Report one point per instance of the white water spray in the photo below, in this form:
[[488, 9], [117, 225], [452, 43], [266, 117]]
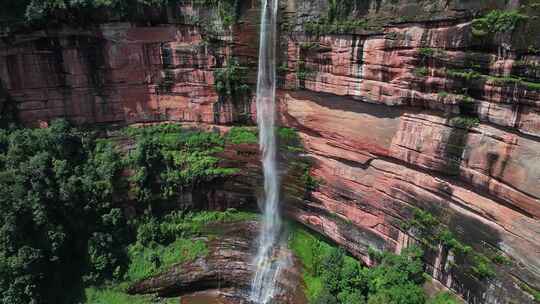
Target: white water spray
[[267, 270]]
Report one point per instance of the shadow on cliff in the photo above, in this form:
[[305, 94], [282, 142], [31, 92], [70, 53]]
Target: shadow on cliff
[[348, 104], [8, 108]]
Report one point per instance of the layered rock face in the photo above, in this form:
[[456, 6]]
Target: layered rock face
[[224, 273], [412, 111], [120, 72]]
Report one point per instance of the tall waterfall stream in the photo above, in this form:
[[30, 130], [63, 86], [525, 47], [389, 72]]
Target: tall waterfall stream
[[268, 267]]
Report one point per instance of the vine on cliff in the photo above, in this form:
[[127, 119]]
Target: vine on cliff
[[431, 233], [231, 81]]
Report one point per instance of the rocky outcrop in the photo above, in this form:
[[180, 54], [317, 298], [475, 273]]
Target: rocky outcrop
[[118, 73], [372, 176], [228, 264], [225, 272], [412, 110]]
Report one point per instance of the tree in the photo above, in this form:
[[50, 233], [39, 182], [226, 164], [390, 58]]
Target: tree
[[59, 223]]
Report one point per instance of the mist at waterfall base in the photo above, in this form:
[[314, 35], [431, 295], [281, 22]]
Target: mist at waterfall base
[[263, 286]]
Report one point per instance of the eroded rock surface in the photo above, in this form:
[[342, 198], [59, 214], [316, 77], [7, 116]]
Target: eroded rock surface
[[375, 109], [225, 273]]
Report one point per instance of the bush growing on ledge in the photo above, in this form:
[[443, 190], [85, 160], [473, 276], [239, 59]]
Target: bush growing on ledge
[[168, 160], [421, 71], [242, 135], [333, 277], [497, 22], [161, 242]]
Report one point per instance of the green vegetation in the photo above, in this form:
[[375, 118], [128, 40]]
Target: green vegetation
[[61, 227], [160, 243], [282, 68], [66, 10], [308, 46], [309, 181], [303, 72], [465, 74], [242, 135], [80, 11], [338, 19], [534, 292], [325, 26], [442, 94], [172, 239], [167, 160], [515, 81], [431, 232], [112, 296], [426, 52], [61, 191], [465, 122], [231, 81], [227, 9], [421, 71], [289, 140], [115, 295], [443, 298], [496, 22], [471, 74], [333, 277], [153, 259]]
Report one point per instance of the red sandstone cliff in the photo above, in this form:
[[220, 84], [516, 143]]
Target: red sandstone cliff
[[376, 110]]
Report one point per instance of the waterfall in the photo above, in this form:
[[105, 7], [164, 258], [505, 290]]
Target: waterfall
[[267, 269]]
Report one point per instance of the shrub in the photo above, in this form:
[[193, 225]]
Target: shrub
[[421, 71], [333, 277], [497, 21], [167, 160], [443, 298], [242, 135], [426, 52]]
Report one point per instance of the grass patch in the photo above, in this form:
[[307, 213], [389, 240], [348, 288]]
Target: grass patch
[[160, 244], [309, 250], [151, 260], [242, 135], [290, 140], [421, 72], [333, 277], [117, 296], [444, 298], [510, 80]]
